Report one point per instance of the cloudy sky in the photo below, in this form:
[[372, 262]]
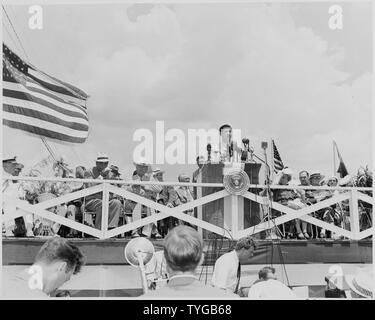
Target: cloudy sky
[[272, 70]]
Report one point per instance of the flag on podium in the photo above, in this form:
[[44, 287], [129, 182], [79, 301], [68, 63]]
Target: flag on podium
[[278, 164]]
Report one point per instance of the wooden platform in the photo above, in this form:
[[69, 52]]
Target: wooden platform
[[21, 251], [125, 281]]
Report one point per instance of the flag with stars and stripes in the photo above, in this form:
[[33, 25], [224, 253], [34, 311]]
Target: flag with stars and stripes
[[277, 162], [40, 104]]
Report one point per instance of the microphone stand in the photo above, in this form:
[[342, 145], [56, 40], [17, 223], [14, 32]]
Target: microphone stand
[[268, 189], [143, 272]]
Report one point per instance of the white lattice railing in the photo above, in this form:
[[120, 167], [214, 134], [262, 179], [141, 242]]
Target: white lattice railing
[[233, 208]]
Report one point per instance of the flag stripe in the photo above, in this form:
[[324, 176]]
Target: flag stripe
[[44, 116], [43, 92], [41, 108], [32, 99], [76, 91], [43, 132], [44, 124], [49, 83], [35, 86]]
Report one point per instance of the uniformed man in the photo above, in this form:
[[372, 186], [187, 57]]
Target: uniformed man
[[94, 202], [13, 193]]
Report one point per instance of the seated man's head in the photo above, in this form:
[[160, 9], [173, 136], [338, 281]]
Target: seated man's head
[[286, 176], [114, 172], [183, 178], [245, 249], [80, 172], [332, 182], [316, 178], [59, 259], [183, 250], [136, 188], [141, 169], [102, 162], [304, 178], [267, 273], [158, 174], [12, 167]]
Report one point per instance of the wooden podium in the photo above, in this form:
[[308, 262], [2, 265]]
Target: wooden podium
[[219, 212]]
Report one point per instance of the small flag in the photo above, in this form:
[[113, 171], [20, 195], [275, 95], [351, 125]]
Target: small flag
[[342, 168], [40, 104], [277, 162]]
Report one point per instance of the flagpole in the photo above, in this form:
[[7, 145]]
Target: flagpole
[[272, 160], [334, 159]]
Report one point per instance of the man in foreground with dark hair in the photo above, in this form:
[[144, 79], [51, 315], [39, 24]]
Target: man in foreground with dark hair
[[57, 260], [227, 270], [183, 251]]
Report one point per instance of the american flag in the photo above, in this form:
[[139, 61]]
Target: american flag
[[277, 162], [40, 104]]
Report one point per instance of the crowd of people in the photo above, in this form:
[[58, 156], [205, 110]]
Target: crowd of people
[[337, 214], [177, 264], [88, 209]]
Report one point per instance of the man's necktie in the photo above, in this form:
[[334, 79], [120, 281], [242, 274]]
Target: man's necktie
[[238, 278]]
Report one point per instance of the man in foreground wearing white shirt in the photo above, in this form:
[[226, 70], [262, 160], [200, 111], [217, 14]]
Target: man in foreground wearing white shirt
[[267, 287], [227, 270]]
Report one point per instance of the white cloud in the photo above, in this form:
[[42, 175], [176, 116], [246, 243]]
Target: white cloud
[[203, 65]]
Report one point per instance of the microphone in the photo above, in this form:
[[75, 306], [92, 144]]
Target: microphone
[[230, 150], [209, 147], [245, 152]]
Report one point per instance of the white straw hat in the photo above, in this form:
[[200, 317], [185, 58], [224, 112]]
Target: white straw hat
[[362, 282], [102, 157]]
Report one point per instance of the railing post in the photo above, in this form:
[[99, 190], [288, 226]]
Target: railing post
[[199, 209], [105, 204], [235, 215], [354, 214]]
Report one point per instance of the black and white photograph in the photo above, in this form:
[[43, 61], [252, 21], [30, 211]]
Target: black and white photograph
[[173, 150]]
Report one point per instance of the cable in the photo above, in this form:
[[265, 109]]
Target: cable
[[10, 36], [15, 32]]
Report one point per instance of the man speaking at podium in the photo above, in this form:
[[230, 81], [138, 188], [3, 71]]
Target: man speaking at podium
[[226, 150]]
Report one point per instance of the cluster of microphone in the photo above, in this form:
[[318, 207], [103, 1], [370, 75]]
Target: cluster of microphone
[[246, 153]]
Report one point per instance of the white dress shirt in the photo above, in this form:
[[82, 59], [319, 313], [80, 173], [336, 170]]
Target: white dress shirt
[[225, 271], [271, 290]]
